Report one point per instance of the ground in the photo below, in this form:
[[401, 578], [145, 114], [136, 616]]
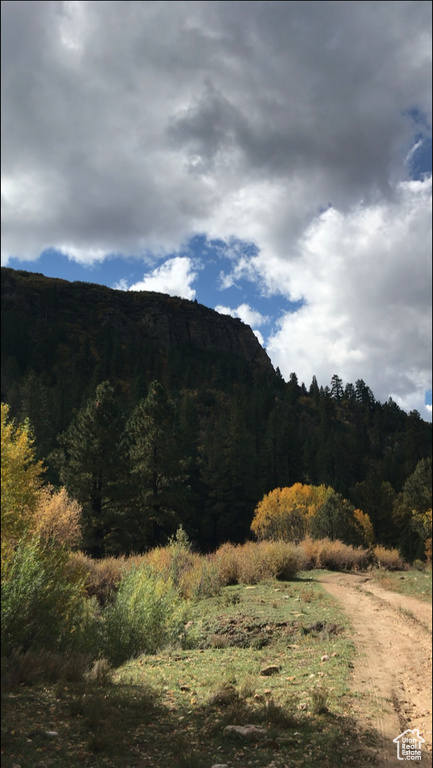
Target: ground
[[352, 663], [393, 667]]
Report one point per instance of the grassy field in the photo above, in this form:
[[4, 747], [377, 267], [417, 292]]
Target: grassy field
[[172, 709], [412, 583]]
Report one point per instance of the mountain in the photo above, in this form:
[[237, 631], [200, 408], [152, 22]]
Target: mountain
[[72, 336], [57, 310], [241, 430]]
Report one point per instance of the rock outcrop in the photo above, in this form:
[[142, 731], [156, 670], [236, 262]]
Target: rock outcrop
[[170, 323]]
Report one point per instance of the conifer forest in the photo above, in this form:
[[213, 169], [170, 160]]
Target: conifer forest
[[148, 429]]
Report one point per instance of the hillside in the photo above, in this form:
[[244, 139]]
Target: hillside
[[240, 430], [46, 320]]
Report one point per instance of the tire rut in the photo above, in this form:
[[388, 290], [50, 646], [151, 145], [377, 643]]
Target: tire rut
[[391, 679]]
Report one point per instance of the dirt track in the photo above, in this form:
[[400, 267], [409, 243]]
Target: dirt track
[[393, 669]]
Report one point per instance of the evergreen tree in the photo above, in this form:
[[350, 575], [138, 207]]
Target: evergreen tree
[[158, 473], [335, 520], [349, 393], [189, 440], [337, 390], [412, 504], [314, 390], [93, 467], [377, 497], [229, 471]]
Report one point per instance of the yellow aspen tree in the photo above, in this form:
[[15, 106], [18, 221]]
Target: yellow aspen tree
[[286, 513], [364, 524], [21, 480]]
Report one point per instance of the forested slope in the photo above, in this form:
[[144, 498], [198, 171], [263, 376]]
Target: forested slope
[[223, 425]]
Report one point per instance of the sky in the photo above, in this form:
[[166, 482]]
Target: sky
[[270, 159]]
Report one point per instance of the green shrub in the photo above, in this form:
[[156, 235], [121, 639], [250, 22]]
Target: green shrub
[[147, 614], [192, 574], [43, 608]]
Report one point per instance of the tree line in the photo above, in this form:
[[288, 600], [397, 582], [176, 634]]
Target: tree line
[[205, 459]]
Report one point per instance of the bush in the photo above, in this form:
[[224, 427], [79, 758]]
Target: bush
[[284, 560], [252, 565], [147, 614], [57, 517], [227, 564], [101, 577], [41, 607], [334, 555], [390, 559], [201, 579], [268, 560], [194, 576]]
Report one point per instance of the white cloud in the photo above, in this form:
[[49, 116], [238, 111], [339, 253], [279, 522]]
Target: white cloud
[[248, 315], [245, 313], [365, 277], [121, 285], [259, 336], [174, 277], [129, 127]]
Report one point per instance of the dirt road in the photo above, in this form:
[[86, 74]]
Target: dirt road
[[392, 676]]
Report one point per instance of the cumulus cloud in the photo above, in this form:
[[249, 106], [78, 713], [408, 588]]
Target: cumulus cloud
[[245, 313], [174, 277], [248, 315], [127, 128], [365, 277]]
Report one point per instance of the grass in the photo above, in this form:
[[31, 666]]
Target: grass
[[172, 708], [414, 583]]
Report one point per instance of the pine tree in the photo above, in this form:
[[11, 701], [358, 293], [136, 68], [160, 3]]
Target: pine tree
[[230, 474], [337, 390], [413, 505], [158, 469], [376, 497], [336, 520], [93, 467]]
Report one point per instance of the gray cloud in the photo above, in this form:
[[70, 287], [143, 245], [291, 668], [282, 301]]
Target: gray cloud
[[129, 126]]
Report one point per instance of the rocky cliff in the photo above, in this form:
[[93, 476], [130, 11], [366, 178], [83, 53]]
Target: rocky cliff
[[66, 312]]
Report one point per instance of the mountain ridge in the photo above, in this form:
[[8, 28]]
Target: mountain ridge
[[171, 322]]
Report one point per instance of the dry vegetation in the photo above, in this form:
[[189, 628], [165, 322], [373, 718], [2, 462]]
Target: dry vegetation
[[197, 576]]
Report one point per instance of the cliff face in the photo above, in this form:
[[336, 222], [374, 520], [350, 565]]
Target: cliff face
[[80, 310]]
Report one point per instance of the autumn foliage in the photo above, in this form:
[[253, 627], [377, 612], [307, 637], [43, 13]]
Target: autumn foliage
[[285, 513], [291, 514], [30, 509], [21, 480]]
